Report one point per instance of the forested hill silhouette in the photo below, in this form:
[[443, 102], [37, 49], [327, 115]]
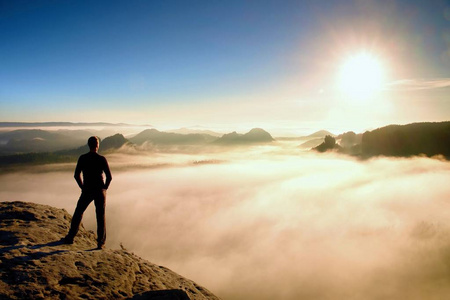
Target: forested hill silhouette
[[254, 136], [408, 140]]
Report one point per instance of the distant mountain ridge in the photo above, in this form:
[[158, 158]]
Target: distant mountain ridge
[[170, 138], [320, 134], [195, 131], [68, 141], [254, 136], [37, 140], [62, 124], [41, 147]]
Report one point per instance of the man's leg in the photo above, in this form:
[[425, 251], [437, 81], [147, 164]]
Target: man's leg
[[83, 203], [100, 204]]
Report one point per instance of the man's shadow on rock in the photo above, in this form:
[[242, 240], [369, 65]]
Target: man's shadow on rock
[[15, 247], [33, 255], [39, 254], [49, 244], [59, 243]]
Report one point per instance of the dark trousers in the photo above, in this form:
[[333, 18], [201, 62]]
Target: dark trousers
[[99, 197]]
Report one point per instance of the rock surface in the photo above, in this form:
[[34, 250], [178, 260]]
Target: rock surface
[[36, 265]]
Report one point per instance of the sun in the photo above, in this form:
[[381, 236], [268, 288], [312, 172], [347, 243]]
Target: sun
[[361, 76]]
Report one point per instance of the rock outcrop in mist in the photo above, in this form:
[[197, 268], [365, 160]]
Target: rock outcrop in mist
[[349, 139], [329, 144], [35, 265], [113, 142], [428, 139]]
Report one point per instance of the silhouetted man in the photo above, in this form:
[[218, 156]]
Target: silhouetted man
[[93, 188]]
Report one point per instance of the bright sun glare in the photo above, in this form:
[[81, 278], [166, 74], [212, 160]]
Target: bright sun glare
[[361, 76]]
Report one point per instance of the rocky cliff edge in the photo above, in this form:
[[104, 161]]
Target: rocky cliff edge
[[34, 264]]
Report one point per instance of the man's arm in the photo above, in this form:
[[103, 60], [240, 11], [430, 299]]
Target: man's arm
[[107, 174], [77, 174]]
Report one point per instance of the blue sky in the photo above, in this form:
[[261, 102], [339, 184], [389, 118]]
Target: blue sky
[[184, 63]]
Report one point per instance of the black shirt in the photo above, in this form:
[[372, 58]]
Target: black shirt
[[92, 165]]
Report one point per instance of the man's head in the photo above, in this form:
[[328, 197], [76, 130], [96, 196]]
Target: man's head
[[93, 143]]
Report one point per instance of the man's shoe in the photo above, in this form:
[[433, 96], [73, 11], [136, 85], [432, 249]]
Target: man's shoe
[[67, 240], [100, 247]]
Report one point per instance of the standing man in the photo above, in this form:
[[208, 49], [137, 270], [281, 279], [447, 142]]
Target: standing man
[[92, 187]]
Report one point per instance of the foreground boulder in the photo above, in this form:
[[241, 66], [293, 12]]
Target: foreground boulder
[[34, 264]]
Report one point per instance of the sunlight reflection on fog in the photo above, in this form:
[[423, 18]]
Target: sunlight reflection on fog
[[273, 222]]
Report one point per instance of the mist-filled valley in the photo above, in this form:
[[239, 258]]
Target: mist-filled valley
[[272, 221]]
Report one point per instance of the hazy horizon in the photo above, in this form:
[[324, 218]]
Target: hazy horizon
[[131, 129], [344, 65]]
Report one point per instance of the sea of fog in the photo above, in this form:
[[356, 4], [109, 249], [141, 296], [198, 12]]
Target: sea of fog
[[272, 222]]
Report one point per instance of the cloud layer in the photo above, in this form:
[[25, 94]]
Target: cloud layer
[[265, 224], [421, 84]]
